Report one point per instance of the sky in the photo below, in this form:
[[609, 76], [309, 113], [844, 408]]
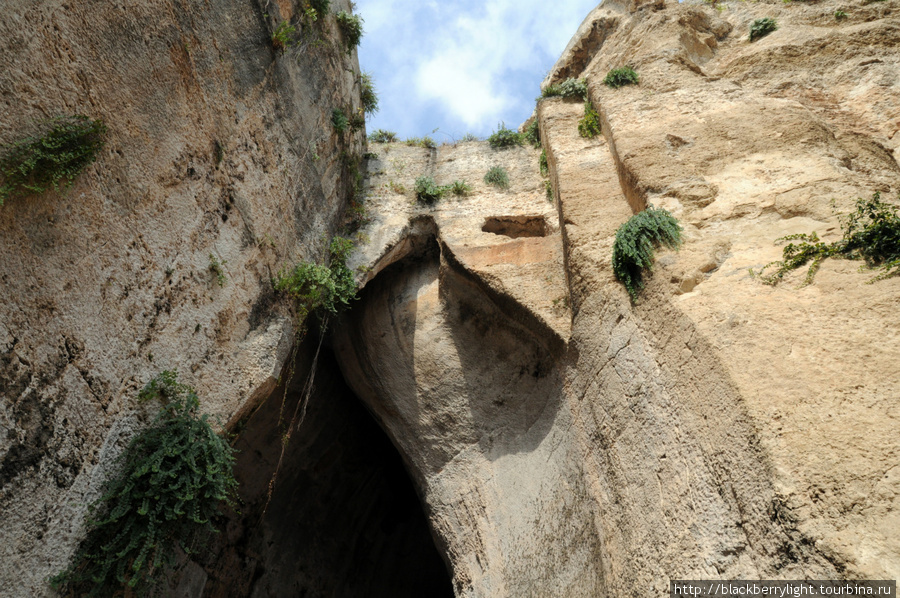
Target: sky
[[461, 67]]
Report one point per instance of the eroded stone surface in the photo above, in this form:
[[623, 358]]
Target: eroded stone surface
[[717, 428], [218, 146]]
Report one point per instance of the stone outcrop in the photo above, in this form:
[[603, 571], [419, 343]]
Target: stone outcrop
[[717, 428], [219, 147]]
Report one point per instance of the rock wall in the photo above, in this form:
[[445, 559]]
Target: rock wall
[[745, 143], [220, 147], [457, 347], [568, 442]]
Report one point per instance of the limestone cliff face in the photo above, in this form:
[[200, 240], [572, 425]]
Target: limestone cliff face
[[218, 146], [568, 443]]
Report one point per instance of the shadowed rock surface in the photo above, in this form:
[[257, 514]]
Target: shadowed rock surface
[[344, 519]]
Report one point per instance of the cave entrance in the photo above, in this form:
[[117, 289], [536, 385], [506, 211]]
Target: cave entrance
[[344, 519]]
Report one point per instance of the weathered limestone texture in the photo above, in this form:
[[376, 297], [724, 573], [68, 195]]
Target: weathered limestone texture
[[745, 143], [455, 346], [218, 147], [569, 443]]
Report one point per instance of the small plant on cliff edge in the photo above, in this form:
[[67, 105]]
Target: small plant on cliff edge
[[351, 28], [503, 137], [382, 136], [339, 120], [840, 15], [426, 142], [871, 233], [762, 27], [543, 165], [617, 78], [281, 37], [367, 94], [171, 479], [635, 243], [589, 125], [323, 289], [570, 88], [52, 160], [532, 134], [497, 177]]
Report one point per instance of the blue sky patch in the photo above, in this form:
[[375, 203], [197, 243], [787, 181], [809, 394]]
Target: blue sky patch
[[461, 67]]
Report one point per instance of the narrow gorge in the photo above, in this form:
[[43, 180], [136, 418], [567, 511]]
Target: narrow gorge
[[493, 415]]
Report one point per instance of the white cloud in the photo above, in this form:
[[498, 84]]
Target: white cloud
[[471, 63], [453, 79]]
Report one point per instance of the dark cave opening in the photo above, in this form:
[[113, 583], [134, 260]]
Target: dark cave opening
[[344, 519]]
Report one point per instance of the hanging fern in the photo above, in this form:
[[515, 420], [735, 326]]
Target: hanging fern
[[171, 479], [317, 288], [52, 160], [871, 233], [635, 242]]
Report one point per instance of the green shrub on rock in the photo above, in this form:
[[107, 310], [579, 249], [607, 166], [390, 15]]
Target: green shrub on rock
[[427, 191], [339, 120], [52, 160], [871, 233], [589, 125], [367, 94], [497, 177], [504, 138], [281, 37], [351, 28], [532, 134], [460, 188], [316, 288], [171, 479], [621, 77], [761, 28], [320, 6], [570, 88], [636, 241]]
